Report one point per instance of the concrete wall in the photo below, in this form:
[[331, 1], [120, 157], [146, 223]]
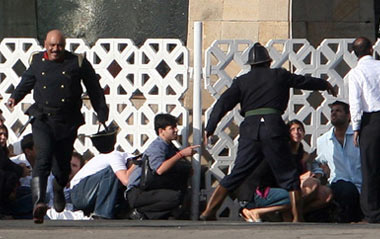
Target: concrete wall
[[18, 18], [320, 19], [93, 19], [262, 20], [257, 20]]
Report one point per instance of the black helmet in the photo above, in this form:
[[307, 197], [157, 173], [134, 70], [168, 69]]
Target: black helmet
[[104, 141], [258, 54]]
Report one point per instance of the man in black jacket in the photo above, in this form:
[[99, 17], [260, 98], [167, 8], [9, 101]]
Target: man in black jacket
[[263, 94], [55, 75]]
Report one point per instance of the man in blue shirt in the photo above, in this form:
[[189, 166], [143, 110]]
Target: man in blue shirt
[[164, 194], [336, 149]]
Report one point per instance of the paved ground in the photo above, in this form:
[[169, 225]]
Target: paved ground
[[99, 229]]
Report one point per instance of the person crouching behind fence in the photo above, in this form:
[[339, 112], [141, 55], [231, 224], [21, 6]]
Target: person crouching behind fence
[[157, 187], [97, 188]]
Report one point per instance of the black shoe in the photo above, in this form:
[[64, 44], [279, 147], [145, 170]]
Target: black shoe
[[203, 217], [97, 217], [136, 215], [39, 213], [179, 213], [59, 197]]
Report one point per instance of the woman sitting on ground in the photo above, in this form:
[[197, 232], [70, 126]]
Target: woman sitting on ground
[[268, 197], [315, 195], [265, 198]]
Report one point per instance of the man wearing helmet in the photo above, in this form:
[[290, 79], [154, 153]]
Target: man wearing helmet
[[263, 94]]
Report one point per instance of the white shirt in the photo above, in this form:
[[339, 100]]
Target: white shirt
[[67, 214], [364, 89], [25, 181], [343, 161], [117, 160]]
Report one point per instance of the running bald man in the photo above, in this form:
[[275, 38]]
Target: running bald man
[[55, 76]]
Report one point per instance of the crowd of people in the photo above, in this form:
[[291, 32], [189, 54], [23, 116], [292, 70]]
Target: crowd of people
[[108, 186], [346, 155], [274, 178]]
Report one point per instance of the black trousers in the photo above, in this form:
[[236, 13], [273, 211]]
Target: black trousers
[[348, 198], [53, 150], [251, 152], [370, 160], [154, 204], [8, 183]]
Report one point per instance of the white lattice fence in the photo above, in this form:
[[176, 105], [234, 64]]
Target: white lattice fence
[[331, 61], [14, 58], [139, 82]]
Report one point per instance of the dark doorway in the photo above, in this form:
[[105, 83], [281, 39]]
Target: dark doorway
[[377, 17]]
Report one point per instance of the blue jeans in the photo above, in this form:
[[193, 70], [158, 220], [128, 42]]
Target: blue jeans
[[97, 193], [275, 197]]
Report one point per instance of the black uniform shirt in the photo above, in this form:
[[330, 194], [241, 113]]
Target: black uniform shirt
[[262, 87], [57, 85]]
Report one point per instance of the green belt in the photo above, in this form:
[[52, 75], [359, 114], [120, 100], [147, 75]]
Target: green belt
[[262, 111]]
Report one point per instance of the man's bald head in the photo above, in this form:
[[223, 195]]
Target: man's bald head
[[362, 46], [55, 45]]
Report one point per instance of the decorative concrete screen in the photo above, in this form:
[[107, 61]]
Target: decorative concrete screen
[[331, 61], [138, 82]]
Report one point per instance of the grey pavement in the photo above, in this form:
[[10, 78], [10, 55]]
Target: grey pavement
[[99, 229]]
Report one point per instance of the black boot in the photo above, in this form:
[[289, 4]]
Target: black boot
[[59, 197], [38, 193]]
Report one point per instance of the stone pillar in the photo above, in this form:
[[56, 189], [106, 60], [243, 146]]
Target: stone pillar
[[256, 20]]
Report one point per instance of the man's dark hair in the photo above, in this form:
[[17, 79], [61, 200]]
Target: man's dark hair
[[346, 107], [362, 46], [27, 142], [161, 121]]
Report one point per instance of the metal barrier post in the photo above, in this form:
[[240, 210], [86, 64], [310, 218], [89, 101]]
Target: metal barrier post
[[197, 120]]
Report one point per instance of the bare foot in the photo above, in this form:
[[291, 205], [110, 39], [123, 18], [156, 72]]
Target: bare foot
[[250, 215]]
